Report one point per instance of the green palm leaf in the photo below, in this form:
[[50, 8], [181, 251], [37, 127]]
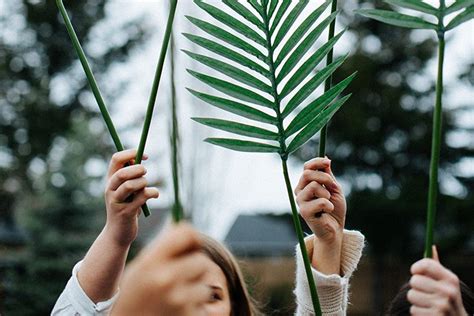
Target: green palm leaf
[[243, 145], [315, 125], [308, 66], [462, 17], [238, 128], [458, 5], [305, 116], [301, 31], [236, 108], [232, 89], [231, 71], [245, 13], [232, 22], [397, 19], [227, 37], [227, 53], [279, 14], [311, 85], [259, 85], [272, 7], [290, 19], [416, 5], [303, 48]]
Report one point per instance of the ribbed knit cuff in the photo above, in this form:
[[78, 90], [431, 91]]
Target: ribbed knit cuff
[[332, 289]]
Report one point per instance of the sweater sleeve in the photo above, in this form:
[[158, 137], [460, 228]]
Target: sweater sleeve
[[333, 290], [74, 301]]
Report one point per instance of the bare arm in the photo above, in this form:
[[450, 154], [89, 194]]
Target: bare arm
[[103, 265]]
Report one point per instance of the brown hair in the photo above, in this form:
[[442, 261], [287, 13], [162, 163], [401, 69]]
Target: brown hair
[[400, 305], [241, 302]]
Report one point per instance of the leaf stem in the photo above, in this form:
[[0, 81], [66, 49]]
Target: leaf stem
[[284, 157], [156, 82], [328, 83], [435, 142], [177, 210], [299, 233], [93, 84]]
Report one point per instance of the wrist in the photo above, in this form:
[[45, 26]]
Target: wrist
[[326, 254], [116, 239]]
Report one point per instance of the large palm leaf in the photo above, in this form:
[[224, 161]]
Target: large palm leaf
[[269, 65]]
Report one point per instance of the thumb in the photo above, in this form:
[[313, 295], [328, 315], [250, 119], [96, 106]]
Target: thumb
[[435, 253]]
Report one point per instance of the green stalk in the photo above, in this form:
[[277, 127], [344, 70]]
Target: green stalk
[[328, 83], [299, 233], [90, 76], [156, 83], [177, 209], [435, 142], [93, 84], [284, 157]]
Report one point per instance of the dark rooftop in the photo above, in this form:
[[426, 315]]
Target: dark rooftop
[[263, 235]]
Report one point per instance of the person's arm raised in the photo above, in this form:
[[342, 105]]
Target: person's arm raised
[[103, 265]]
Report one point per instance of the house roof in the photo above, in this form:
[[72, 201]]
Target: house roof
[[263, 235]]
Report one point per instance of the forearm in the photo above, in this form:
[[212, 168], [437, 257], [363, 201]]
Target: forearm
[[326, 255], [332, 287], [102, 267]]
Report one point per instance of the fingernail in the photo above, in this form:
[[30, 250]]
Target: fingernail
[[326, 161]]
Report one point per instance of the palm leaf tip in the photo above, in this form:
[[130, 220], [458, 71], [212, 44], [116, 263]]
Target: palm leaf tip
[[397, 19], [243, 145]]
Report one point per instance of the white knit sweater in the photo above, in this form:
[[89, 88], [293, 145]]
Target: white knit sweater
[[333, 290]]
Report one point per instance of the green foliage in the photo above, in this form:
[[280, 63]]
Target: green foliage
[[273, 90], [408, 21], [264, 87], [61, 221], [46, 138]]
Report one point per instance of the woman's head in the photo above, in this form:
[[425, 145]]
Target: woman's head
[[230, 295]]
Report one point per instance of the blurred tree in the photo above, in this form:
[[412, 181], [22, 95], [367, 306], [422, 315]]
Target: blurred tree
[[380, 143], [51, 140]]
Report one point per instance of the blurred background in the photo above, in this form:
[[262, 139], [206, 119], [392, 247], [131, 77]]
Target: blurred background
[[54, 150]]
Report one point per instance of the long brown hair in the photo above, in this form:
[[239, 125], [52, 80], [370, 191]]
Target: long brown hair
[[241, 302]]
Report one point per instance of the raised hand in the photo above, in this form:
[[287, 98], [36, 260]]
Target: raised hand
[[435, 290], [166, 277], [125, 193], [323, 206], [321, 200]]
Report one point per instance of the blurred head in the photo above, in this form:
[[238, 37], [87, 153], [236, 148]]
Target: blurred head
[[401, 306], [229, 292]]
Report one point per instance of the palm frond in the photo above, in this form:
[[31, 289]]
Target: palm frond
[[263, 80], [269, 81]]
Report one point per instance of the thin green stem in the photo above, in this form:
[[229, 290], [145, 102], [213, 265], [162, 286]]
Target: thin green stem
[[90, 76], [299, 233], [156, 82], [177, 210], [93, 85], [435, 142], [284, 157], [328, 83]]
